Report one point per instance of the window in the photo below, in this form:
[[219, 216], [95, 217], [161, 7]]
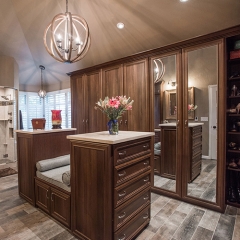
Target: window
[[32, 106]]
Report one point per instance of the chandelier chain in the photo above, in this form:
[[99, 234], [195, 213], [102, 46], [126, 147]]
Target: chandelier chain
[[66, 6]]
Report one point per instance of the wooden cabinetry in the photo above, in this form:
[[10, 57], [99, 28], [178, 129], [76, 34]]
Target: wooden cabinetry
[[86, 90], [54, 201], [111, 187], [130, 79], [168, 151], [233, 123], [33, 146]]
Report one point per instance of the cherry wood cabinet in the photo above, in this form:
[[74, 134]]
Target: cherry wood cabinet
[[110, 193], [130, 79], [54, 201], [36, 145], [86, 90]]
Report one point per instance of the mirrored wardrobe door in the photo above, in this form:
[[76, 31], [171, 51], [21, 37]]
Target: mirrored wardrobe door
[[165, 77], [201, 75]]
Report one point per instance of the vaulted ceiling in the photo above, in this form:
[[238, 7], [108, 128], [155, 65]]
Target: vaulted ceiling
[[149, 24]]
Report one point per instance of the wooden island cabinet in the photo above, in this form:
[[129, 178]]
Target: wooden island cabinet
[[110, 184], [36, 145]]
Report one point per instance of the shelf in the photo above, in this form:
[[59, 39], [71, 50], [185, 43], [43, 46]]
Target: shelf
[[234, 79], [236, 60], [233, 115], [234, 169], [234, 96], [233, 151], [235, 133]]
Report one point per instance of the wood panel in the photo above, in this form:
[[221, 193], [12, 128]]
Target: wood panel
[[137, 86], [91, 190]]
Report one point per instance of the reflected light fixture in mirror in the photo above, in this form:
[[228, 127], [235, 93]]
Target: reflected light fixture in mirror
[[42, 93], [67, 37], [159, 70]]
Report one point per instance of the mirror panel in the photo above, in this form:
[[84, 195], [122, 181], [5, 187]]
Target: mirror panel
[[165, 76], [202, 74]]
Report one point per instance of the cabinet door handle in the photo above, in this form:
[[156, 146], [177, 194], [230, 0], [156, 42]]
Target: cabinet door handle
[[146, 179], [122, 237], [145, 146], [47, 195], [86, 120], [186, 123], [120, 122], [122, 215], [122, 153], [122, 174], [146, 198], [83, 121], [52, 197], [122, 194], [125, 122], [145, 216]]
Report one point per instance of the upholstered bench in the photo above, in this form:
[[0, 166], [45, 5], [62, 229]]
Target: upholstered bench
[[52, 188]]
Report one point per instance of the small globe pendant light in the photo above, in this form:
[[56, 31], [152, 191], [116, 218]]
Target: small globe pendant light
[[42, 93]]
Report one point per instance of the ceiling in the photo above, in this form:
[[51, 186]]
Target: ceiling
[[149, 24]]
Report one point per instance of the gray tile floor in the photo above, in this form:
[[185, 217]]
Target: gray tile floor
[[170, 220]]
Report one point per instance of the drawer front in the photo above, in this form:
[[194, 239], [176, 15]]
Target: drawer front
[[124, 153], [196, 170], [126, 211], [125, 191], [124, 172], [134, 226], [196, 159], [197, 141], [196, 151], [196, 131]]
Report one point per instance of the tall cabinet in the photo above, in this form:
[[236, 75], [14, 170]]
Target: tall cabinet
[[130, 79], [233, 121]]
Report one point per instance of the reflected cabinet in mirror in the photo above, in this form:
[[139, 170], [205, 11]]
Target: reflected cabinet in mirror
[[165, 147], [189, 163]]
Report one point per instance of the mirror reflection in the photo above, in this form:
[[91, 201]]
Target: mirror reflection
[[203, 75], [165, 128]]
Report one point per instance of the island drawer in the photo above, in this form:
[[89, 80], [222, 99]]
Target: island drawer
[[129, 170], [132, 150], [135, 225], [127, 190], [129, 209]]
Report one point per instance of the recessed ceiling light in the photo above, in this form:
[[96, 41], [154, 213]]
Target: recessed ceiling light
[[120, 25], [183, 0]]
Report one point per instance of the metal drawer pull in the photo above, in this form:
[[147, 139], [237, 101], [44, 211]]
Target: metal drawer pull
[[146, 179], [47, 194], [122, 194], [122, 153], [120, 122], [146, 163], [122, 174], [145, 217], [122, 216], [146, 198], [122, 237], [51, 197], [125, 122], [145, 146]]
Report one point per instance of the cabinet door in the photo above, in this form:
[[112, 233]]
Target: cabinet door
[[93, 88], [112, 79], [136, 86], [78, 103], [60, 206], [42, 192]]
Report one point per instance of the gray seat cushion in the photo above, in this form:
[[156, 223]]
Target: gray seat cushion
[[48, 164], [157, 152], [66, 178], [54, 176]]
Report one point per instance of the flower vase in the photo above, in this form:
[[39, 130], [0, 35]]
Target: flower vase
[[113, 127], [56, 119]]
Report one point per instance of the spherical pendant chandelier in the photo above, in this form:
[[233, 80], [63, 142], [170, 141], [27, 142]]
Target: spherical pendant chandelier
[[67, 37], [42, 93]]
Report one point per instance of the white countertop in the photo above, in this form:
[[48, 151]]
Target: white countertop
[[40, 131], [105, 137], [174, 124]]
